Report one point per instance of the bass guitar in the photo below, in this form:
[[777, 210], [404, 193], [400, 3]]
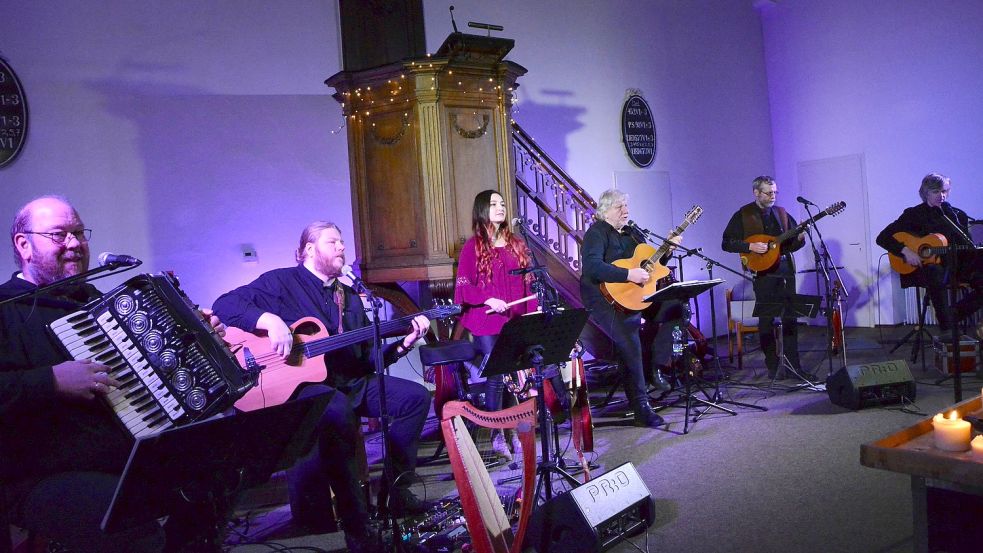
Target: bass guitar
[[278, 377], [630, 296], [929, 248], [764, 262]]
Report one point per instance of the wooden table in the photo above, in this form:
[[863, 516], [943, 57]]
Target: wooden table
[[946, 487]]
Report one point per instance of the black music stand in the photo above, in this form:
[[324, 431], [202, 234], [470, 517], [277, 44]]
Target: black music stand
[[794, 305], [207, 462], [683, 292], [539, 340]]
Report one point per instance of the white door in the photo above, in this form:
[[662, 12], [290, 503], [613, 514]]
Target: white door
[[847, 236]]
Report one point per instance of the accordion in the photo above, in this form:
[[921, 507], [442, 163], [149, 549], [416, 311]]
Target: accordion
[[172, 366]]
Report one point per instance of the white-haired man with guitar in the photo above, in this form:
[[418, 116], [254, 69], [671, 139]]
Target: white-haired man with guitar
[[918, 240], [606, 241]]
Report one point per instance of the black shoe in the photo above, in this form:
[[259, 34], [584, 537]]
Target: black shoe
[[646, 417], [403, 503], [660, 382]]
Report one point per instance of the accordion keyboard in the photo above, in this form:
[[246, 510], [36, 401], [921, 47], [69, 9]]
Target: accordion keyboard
[[171, 367]]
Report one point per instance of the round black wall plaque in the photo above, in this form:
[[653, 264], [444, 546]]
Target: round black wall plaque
[[638, 131], [13, 115]]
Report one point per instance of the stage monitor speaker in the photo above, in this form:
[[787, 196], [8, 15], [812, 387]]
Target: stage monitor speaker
[[595, 516], [858, 386]]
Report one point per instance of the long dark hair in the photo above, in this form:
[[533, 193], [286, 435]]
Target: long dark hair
[[486, 232]]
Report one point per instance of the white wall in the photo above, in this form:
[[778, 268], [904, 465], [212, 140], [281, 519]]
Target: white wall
[[181, 129], [897, 83]]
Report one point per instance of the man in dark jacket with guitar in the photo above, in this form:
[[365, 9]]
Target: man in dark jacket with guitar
[[935, 216], [605, 242], [772, 284], [281, 297]]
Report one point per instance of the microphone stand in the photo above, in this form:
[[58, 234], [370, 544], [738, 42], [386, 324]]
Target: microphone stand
[[823, 263], [85, 276], [389, 479], [710, 264], [542, 284], [952, 262]]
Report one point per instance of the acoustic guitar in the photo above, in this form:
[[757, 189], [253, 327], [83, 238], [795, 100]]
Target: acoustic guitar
[[929, 248], [278, 377], [630, 296], [768, 261]]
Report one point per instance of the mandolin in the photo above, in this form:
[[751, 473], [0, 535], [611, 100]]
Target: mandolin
[[631, 296], [929, 248], [765, 262]]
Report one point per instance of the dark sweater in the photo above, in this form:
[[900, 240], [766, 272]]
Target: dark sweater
[[41, 432]]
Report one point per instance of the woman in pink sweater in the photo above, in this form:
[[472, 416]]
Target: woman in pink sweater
[[484, 284]]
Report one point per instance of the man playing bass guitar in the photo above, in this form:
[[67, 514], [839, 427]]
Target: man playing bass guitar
[[279, 298], [762, 216]]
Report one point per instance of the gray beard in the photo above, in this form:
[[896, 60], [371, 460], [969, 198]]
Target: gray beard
[[46, 273]]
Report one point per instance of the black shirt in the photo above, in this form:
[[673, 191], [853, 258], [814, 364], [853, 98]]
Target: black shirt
[[293, 293], [921, 220], [602, 245], [41, 432]]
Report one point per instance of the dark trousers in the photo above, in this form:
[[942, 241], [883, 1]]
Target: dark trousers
[[935, 278], [495, 396], [68, 508], [623, 328], [777, 289], [333, 461]]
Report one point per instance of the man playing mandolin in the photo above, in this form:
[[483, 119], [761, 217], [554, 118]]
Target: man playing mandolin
[[903, 239], [763, 217]]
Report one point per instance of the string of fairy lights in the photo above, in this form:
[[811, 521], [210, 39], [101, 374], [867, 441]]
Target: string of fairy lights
[[361, 102]]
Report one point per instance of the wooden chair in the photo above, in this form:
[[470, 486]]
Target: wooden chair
[[738, 322]]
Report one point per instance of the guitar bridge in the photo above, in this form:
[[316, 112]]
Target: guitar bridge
[[252, 366]]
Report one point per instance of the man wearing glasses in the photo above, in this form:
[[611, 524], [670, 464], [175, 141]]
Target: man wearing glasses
[[762, 216], [62, 451]]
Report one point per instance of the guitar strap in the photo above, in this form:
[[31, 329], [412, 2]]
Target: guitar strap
[[339, 299]]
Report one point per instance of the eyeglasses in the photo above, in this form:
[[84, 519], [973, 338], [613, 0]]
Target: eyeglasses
[[772, 193], [61, 236]]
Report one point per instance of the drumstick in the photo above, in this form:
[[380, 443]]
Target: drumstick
[[511, 303]]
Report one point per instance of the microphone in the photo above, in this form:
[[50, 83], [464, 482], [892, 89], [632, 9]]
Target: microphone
[[804, 201], [106, 258], [633, 226], [348, 272], [453, 23], [535, 269]]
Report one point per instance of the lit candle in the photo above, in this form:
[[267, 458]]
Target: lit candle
[[951, 433], [977, 445]]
